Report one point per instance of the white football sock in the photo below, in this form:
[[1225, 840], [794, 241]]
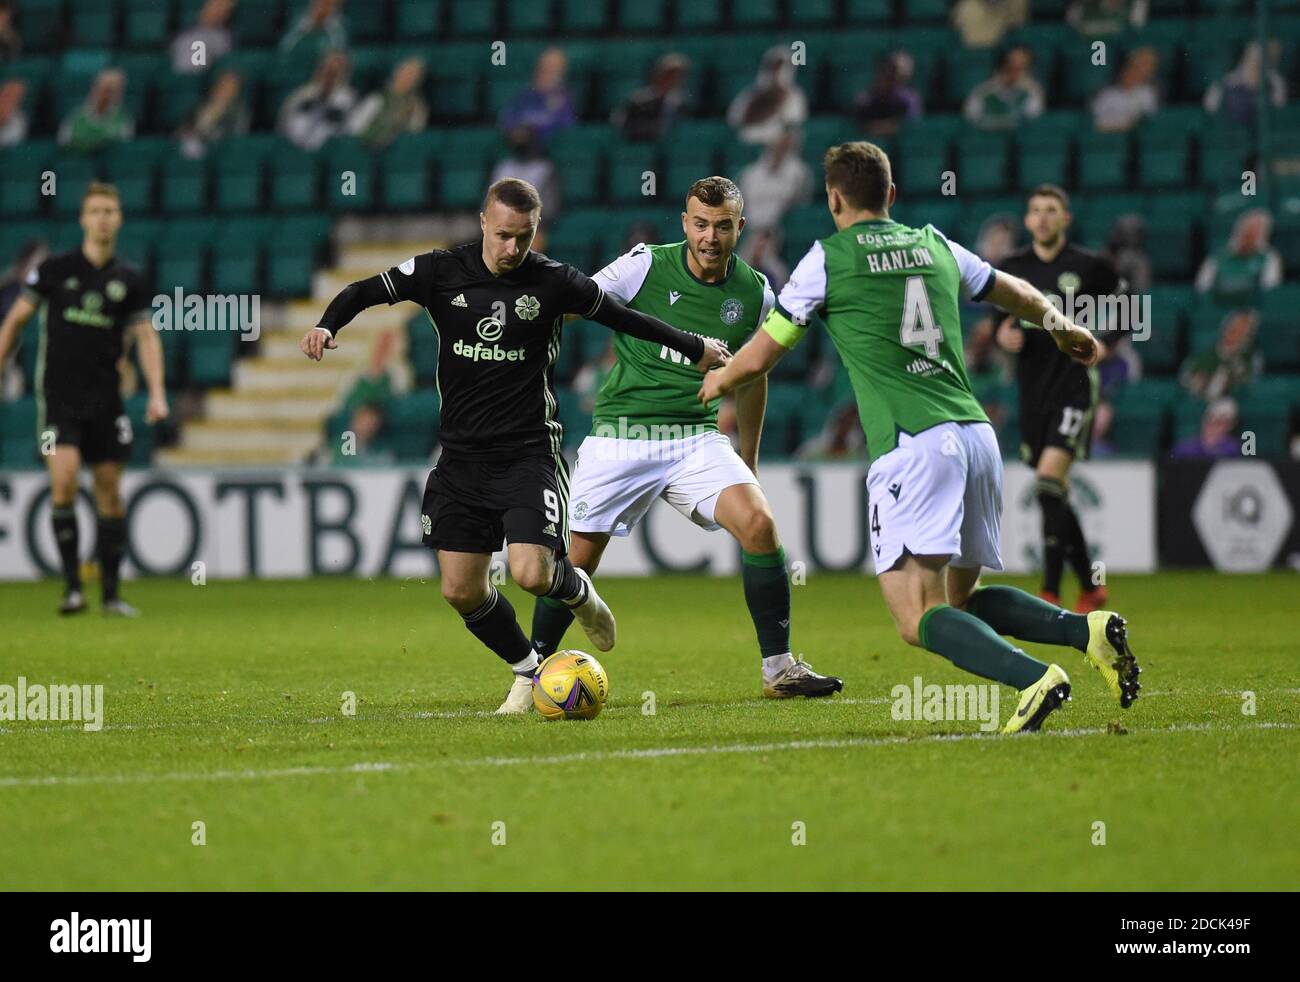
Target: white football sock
[[526, 666], [774, 665]]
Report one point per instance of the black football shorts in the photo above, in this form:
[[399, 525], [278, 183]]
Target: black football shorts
[[472, 504]]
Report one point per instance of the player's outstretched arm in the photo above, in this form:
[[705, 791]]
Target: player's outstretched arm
[[755, 359], [1026, 301], [704, 353], [351, 300], [151, 362], [751, 406], [18, 315]]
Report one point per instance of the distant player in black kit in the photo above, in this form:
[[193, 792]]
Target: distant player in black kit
[[1057, 395], [498, 308], [89, 300]]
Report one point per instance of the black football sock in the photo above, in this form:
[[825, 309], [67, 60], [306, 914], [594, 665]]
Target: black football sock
[[551, 618], [495, 625], [1076, 547], [973, 646], [111, 536], [767, 594], [1052, 500], [64, 520], [1009, 610], [566, 585]]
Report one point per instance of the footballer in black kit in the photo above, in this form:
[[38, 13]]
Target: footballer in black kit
[[498, 309], [92, 304], [1058, 396]]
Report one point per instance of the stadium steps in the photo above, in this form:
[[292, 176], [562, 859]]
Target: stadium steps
[[278, 403]]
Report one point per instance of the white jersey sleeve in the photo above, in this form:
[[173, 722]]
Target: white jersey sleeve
[[976, 274], [622, 279], [769, 300], [805, 293]]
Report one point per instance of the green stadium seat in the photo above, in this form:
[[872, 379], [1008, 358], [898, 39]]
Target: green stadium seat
[[295, 180], [966, 68], [209, 357], [412, 422], [422, 349], [926, 11], [183, 184], [74, 174], [1163, 158], [146, 24], [257, 23], [627, 165], [137, 241], [406, 171], [238, 180], [1103, 160], [418, 19], [350, 167], [472, 18], [94, 25], [1163, 350], [694, 16], [584, 16], [1224, 156], [642, 16], [237, 254], [293, 251], [1138, 429], [983, 162], [176, 101], [1169, 244], [867, 11], [753, 15], [1045, 161], [922, 160], [1286, 238], [21, 168]]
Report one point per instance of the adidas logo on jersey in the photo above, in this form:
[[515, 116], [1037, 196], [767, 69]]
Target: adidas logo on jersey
[[459, 301], [550, 530]]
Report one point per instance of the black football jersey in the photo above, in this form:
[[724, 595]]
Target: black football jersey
[[1047, 376], [85, 311], [498, 338]]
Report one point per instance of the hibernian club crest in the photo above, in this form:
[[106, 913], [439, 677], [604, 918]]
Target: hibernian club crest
[[732, 311]]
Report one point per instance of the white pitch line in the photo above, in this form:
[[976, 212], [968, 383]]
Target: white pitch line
[[587, 756]]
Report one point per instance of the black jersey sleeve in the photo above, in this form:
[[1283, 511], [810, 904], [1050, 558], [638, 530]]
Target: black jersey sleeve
[[579, 293], [139, 300], [615, 316], [410, 280], [40, 280]]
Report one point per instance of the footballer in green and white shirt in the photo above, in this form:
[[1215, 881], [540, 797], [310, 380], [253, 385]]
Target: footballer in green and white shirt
[[651, 438], [888, 294]]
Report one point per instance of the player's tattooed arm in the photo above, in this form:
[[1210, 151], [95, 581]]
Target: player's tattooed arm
[[351, 300], [704, 353], [1024, 300], [18, 315]]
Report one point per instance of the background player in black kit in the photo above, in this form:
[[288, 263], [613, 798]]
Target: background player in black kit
[[89, 299], [1057, 395], [498, 309]]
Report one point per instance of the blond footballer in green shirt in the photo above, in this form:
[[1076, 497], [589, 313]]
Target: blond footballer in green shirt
[[888, 294]]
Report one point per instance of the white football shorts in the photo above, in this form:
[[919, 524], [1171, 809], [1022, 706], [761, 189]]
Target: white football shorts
[[938, 493], [616, 481]]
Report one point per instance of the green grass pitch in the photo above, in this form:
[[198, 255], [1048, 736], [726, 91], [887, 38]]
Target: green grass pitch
[[223, 706]]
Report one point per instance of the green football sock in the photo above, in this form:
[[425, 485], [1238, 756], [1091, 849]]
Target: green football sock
[[973, 646], [1023, 616], [551, 618], [767, 594]]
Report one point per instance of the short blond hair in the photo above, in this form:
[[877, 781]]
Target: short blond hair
[[101, 189]]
